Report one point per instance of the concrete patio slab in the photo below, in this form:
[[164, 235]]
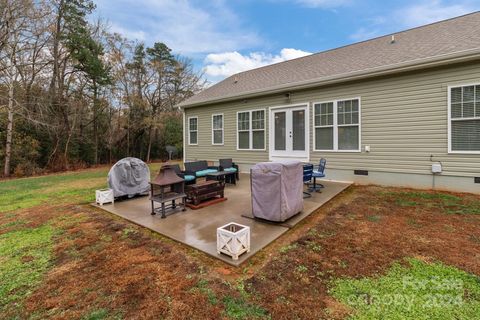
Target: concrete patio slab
[[197, 228]]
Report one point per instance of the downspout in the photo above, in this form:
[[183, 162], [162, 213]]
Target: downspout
[[183, 133]]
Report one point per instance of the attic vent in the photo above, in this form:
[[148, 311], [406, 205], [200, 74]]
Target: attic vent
[[393, 39], [235, 80]]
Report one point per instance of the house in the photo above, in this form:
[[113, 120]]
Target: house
[[381, 111]]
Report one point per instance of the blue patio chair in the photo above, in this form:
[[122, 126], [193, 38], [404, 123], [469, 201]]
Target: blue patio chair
[[307, 178], [318, 173]]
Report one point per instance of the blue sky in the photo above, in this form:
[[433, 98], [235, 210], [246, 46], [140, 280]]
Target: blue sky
[[224, 37]]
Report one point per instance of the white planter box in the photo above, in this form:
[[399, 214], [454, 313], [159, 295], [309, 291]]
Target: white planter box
[[104, 196], [233, 239]]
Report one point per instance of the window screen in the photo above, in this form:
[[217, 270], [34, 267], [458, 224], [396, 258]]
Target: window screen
[[465, 118]]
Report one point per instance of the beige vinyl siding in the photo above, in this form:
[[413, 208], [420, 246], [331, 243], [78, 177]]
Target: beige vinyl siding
[[403, 120]]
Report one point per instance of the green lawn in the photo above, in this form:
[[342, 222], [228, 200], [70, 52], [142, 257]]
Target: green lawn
[[72, 187], [372, 253], [417, 291]]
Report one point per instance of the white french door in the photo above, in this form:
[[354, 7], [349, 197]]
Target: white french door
[[289, 133]]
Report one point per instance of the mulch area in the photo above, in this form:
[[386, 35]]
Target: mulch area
[[362, 237]]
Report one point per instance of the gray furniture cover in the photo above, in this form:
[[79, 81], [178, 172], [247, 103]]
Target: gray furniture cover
[[129, 177], [277, 190]]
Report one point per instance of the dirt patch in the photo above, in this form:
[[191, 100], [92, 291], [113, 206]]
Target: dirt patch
[[363, 237], [105, 264]]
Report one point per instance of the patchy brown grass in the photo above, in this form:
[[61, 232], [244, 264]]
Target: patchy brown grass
[[363, 236], [106, 264]]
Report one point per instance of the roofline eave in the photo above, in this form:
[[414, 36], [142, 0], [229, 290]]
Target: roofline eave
[[457, 57]]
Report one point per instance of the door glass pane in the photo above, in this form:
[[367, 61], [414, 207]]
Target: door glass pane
[[298, 129], [258, 139], [348, 138], [280, 130], [244, 140], [324, 138]]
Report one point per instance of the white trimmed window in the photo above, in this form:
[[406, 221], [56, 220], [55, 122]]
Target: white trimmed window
[[217, 129], [464, 110], [193, 130], [337, 125], [251, 130]]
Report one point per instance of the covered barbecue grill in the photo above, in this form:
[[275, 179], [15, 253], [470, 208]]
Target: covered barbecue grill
[[129, 177], [277, 190]]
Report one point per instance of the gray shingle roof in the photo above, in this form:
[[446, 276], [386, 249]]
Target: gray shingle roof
[[457, 35]]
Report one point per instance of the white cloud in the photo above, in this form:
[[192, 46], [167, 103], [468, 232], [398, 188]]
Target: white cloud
[[431, 11], [183, 25], [219, 65]]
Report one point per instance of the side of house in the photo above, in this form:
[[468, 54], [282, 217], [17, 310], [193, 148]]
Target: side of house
[[386, 130]]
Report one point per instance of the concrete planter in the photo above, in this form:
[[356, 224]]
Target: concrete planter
[[104, 196], [233, 239]]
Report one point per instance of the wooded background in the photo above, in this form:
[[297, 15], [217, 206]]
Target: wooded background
[[73, 95]]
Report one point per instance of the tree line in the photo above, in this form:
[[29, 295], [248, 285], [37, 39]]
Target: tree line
[[73, 94]]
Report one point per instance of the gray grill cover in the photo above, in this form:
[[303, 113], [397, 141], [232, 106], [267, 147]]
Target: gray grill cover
[[277, 190], [129, 177]]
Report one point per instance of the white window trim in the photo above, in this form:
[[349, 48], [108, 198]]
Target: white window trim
[[336, 125], [223, 129], [449, 94], [189, 141], [250, 130]]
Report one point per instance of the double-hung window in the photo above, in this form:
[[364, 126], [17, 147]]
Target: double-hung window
[[464, 109], [217, 129], [337, 125], [251, 130], [193, 130]]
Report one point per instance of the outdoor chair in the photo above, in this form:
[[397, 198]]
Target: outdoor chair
[[307, 178], [189, 179], [229, 166], [318, 173], [199, 168]]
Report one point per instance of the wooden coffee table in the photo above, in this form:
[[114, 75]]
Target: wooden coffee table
[[205, 190], [222, 176]]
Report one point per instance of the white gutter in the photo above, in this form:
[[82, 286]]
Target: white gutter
[[440, 60]]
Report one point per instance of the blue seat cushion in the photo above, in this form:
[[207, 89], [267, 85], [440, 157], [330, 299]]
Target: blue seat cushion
[[230, 169], [317, 174], [203, 173], [189, 177]]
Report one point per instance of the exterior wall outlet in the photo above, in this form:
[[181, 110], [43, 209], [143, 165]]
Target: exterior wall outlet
[[367, 148]]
